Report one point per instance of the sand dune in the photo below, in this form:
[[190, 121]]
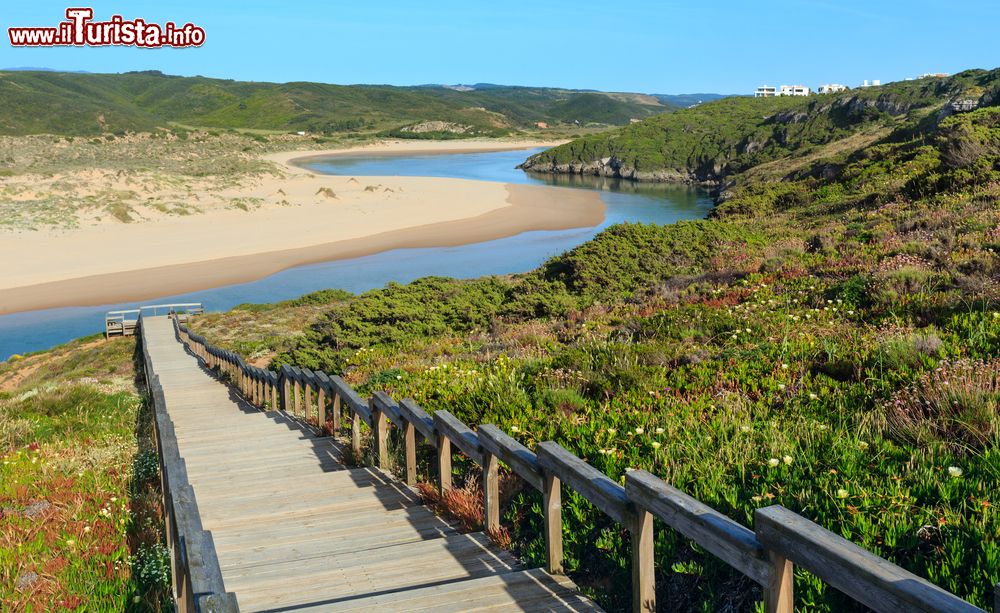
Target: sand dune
[[299, 218]]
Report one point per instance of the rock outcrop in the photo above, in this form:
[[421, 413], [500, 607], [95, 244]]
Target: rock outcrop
[[436, 126], [615, 167]]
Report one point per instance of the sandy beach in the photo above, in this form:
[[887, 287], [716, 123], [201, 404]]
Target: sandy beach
[[300, 218]]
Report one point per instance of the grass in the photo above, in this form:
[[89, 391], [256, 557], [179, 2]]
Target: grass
[[79, 489], [792, 349]]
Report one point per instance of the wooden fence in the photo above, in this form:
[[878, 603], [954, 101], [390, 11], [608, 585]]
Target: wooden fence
[[125, 322], [766, 555], [197, 577]]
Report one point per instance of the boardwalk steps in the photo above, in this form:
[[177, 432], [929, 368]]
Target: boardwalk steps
[[291, 524], [294, 529]]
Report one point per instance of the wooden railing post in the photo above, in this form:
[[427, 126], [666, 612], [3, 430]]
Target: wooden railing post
[[307, 402], [996, 598], [381, 428], [491, 492], [410, 450], [286, 396], [356, 435], [276, 391], [321, 413], [337, 412], [444, 463], [779, 593], [296, 396], [552, 509], [643, 570]]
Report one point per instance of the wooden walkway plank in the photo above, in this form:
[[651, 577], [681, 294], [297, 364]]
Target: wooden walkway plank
[[532, 590], [295, 529]]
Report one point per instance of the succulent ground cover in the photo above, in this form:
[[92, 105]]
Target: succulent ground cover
[[80, 518]]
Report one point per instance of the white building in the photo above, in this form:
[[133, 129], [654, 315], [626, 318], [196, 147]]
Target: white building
[[794, 90], [832, 88], [765, 91], [872, 83]]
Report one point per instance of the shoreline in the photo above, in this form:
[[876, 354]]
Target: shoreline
[[144, 261], [396, 148]]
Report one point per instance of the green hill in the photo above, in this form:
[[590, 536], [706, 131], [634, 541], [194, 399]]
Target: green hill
[[78, 103], [714, 140], [597, 108], [829, 340]]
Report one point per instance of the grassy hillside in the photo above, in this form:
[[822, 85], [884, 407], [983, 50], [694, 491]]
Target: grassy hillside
[[721, 138], [80, 509], [598, 108], [75, 103], [829, 340]]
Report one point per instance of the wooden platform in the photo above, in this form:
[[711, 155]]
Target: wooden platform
[[296, 530]]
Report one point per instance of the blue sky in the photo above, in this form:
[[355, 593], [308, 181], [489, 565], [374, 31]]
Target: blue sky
[[646, 46]]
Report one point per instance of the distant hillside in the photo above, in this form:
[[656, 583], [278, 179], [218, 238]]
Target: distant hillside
[[74, 103], [601, 108], [711, 141]]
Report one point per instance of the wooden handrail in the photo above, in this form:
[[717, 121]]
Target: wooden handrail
[[733, 543], [390, 408], [413, 414], [869, 579], [598, 488], [458, 434], [782, 538], [352, 399], [519, 458]]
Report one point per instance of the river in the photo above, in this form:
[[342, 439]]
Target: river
[[626, 202]]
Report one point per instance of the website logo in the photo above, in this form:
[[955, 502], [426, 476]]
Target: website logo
[[81, 30]]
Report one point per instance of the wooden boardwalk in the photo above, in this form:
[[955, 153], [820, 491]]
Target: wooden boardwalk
[[296, 530]]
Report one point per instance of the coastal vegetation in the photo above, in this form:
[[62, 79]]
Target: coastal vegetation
[[712, 142], [93, 104], [829, 340], [81, 525], [67, 181]]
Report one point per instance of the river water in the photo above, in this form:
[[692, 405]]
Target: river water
[[626, 202]]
